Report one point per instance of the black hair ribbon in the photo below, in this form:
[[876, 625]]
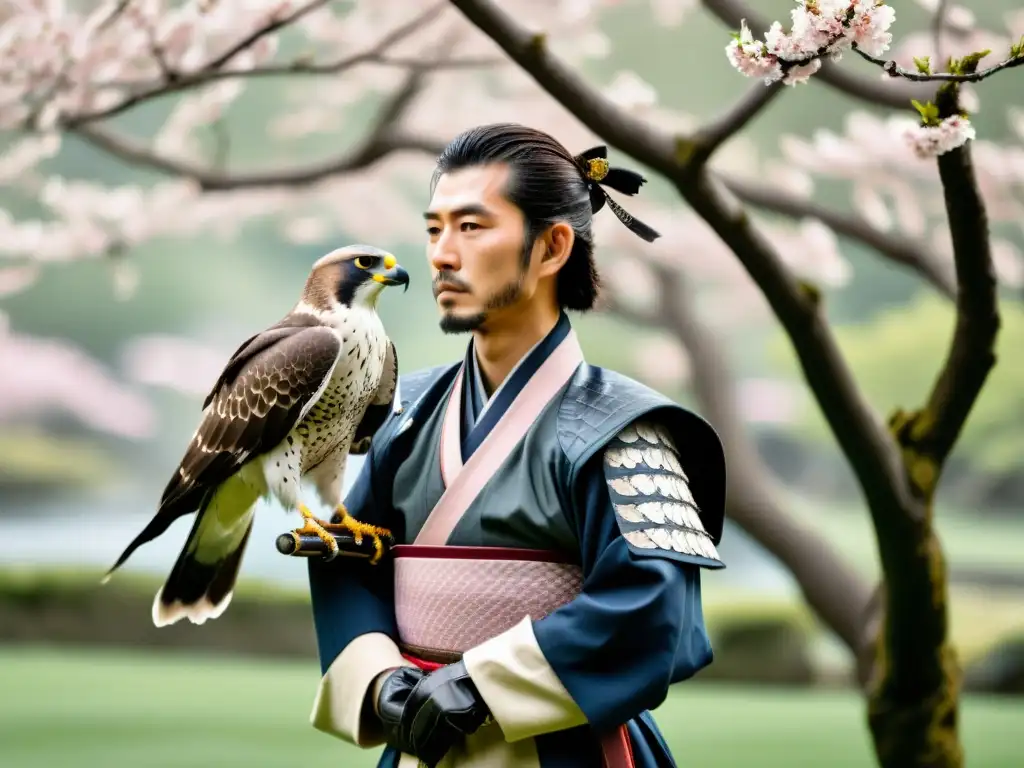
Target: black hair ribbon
[[599, 174]]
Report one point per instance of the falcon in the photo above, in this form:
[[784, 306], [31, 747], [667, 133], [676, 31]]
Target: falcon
[[292, 403]]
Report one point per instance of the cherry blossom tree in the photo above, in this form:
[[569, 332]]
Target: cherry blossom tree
[[925, 191]]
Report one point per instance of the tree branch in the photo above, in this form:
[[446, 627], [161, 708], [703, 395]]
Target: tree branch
[[888, 93], [903, 251], [894, 70], [271, 26], [299, 66], [381, 139], [833, 589], [115, 12], [972, 351], [711, 137], [863, 438], [636, 137], [213, 70]]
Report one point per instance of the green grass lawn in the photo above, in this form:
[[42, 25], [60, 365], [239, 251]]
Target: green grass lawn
[[89, 708]]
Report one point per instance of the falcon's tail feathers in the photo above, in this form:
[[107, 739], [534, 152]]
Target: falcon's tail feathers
[[168, 513], [202, 580]]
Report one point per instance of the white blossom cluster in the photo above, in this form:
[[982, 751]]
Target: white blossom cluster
[[828, 28], [820, 28], [931, 140]]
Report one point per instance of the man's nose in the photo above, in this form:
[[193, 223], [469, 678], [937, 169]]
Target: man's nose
[[444, 256]]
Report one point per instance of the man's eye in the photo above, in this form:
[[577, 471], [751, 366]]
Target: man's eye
[[433, 231], [469, 226]]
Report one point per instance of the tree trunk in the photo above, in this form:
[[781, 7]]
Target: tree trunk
[[913, 717]]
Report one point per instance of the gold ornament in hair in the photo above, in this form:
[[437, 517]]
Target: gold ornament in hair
[[593, 164], [597, 169]]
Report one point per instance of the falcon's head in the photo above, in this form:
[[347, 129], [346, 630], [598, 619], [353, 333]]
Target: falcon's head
[[352, 276]]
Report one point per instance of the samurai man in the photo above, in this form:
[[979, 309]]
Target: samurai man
[[550, 518]]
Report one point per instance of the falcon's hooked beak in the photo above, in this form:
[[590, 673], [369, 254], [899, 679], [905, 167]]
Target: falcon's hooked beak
[[388, 272]]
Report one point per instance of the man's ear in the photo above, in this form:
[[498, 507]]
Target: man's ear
[[558, 242]]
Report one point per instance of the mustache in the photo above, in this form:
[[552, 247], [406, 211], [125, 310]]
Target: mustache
[[450, 281]]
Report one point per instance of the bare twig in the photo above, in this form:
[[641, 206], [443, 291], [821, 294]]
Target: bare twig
[[115, 12], [894, 70], [708, 139], [888, 93], [381, 139], [213, 70], [901, 250], [268, 28], [158, 54], [299, 67]]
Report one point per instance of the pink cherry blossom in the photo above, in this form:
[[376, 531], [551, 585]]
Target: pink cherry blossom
[[179, 364], [819, 28], [869, 28], [931, 140], [752, 58], [43, 376], [662, 362]]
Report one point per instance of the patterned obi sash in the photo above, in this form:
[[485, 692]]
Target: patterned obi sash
[[449, 599]]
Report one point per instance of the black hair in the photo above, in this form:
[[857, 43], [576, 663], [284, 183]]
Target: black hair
[[549, 184]]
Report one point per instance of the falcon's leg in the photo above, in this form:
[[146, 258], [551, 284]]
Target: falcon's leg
[[344, 521], [327, 478], [319, 528]]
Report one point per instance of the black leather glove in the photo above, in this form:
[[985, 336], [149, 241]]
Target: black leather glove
[[425, 715], [392, 698]]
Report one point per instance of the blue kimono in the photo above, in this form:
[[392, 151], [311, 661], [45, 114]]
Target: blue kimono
[[621, 482]]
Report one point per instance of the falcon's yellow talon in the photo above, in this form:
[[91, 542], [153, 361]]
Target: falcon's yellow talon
[[358, 530], [319, 528]]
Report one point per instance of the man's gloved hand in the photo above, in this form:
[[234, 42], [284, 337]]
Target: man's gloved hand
[[425, 715]]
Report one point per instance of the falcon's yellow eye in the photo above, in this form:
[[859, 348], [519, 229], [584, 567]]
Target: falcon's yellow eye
[[363, 262]]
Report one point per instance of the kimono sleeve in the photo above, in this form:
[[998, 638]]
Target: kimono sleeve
[[354, 621], [637, 626]]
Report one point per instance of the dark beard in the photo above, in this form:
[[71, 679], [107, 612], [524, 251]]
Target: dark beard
[[505, 297], [456, 324]]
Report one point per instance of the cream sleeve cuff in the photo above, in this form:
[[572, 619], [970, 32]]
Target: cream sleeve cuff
[[338, 708], [524, 694]]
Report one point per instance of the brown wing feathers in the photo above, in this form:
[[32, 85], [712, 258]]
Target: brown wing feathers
[[255, 344], [257, 400]]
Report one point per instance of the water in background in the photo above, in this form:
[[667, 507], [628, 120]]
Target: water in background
[[95, 530]]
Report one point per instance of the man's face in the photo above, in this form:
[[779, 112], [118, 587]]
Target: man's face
[[475, 248]]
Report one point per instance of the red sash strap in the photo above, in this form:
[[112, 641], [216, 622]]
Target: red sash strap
[[616, 750]]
